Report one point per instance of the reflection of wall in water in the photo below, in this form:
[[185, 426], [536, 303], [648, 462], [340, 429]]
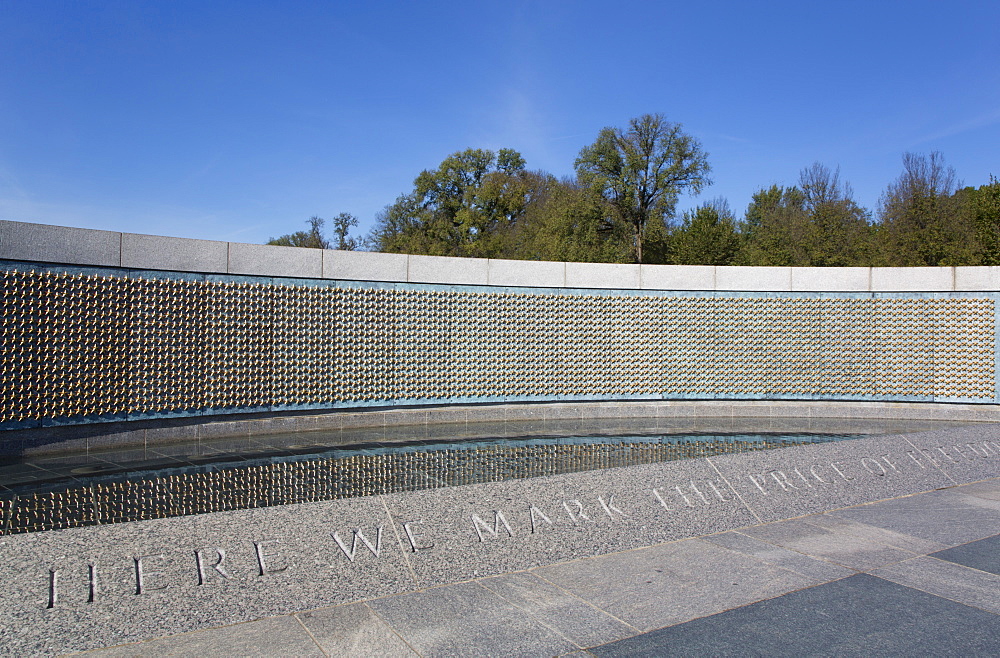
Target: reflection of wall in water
[[115, 499]]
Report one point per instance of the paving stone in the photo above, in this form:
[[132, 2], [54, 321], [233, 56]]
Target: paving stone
[[839, 547], [857, 616], [277, 636], [864, 531], [946, 517], [564, 613], [353, 630], [983, 555], [779, 557], [667, 584], [465, 619], [948, 579], [989, 490]]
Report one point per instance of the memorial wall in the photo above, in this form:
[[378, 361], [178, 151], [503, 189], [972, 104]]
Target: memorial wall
[[98, 338]]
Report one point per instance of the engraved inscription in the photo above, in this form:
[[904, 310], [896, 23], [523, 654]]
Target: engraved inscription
[[376, 548], [142, 576], [217, 567], [411, 536], [536, 515], [498, 519], [263, 566]]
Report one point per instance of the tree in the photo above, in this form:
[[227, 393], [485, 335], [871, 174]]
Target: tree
[[816, 223], [923, 221], [706, 236], [314, 238], [641, 171], [342, 224], [839, 234], [311, 238], [465, 207], [983, 207], [566, 221], [775, 227]]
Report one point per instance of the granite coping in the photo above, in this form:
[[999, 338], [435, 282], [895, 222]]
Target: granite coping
[[102, 585], [57, 244]]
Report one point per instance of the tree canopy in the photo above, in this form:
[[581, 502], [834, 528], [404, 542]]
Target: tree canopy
[[620, 207], [641, 170]]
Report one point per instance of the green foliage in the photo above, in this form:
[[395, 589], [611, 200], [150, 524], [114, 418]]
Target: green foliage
[[640, 172], [342, 224], [983, 208], [568, 222], [924, 220], [465, 207], [312, 238], [816, 223], [707, 236], [620, 206]]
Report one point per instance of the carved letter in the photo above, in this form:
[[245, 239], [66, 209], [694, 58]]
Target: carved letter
[[759, 483], [881, 469], [532, 511], [498, 518], [812, 471], [580, 514], [141, 575], [782, 480], [885, 458], [411, 536], [837, 466], [609, 507], [718, 492], [262, 566], [53, 588], [656, 492], [91, 583], [802, 477], [695, 489], [221, 554], [687, 501], [375, 550], [946, 455], [914, 458], [975, 450]]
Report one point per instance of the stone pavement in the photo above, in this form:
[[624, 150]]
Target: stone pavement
[[911, 575]]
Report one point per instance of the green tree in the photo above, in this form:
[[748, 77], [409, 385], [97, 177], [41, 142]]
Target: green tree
[[983, 208], [566, 221], [816, 223], [707, 235], [342, 224], [923, 219], [640, 172], [464, 207], [311, 238], [775, 227], [839, 232]]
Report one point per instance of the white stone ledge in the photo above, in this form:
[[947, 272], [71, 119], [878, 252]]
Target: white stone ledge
[[24, 241]]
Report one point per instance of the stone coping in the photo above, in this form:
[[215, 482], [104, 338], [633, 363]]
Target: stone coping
[[57, 244], [96, 586], [152, 433]]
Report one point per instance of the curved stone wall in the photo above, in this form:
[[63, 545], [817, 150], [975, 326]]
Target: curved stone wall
[[106, 326]]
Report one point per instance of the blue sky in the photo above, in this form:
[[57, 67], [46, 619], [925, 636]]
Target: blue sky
[[240, 120]]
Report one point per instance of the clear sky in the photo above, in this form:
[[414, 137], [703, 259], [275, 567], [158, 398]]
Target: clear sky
[[238, 120]]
